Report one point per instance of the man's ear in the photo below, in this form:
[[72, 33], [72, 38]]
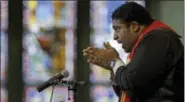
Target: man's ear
[[135, 26]]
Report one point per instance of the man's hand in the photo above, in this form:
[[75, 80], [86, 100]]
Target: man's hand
[[101, 57]]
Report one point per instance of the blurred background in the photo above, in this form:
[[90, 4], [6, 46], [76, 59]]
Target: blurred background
[[53, 36]]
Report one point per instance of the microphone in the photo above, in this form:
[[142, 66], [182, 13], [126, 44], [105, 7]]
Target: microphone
[[61, 75]]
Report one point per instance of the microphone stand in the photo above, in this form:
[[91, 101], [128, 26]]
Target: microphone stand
[[54, 83], [51, 97], [74, 87]]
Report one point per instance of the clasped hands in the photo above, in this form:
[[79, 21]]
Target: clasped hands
[[100, 56]]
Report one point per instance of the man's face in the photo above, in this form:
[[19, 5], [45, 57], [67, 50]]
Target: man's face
[[125, 35]]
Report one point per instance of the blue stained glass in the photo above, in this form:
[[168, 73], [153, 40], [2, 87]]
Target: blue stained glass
[[111, 6], [44, 10]]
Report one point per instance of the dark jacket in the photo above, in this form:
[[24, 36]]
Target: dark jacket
[[156, 72]]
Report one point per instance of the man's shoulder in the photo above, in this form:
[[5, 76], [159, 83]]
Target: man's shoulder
[[160, 37], [162, 33], [163, 37]]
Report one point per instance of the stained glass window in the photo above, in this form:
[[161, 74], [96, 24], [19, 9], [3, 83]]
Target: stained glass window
[[49, 46], [4, 95], [4, 46], [101, 93], [60, 94]]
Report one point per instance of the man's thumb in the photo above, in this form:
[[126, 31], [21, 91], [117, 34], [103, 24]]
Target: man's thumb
[[107, 45]]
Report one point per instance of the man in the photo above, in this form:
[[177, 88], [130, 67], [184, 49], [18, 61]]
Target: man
[[155, 72]]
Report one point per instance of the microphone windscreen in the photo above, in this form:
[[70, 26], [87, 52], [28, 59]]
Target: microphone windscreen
[[65, 73]]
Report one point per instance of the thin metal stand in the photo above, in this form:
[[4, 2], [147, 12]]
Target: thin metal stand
[[74, 89], [72, 86], [53, 87]]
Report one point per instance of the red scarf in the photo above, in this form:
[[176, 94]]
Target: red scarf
[[155, 25]]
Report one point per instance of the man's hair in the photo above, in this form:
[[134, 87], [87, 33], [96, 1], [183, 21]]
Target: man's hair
[[131, 11]]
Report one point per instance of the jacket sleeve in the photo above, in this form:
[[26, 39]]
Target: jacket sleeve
[[117, 90], [150, 65]]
